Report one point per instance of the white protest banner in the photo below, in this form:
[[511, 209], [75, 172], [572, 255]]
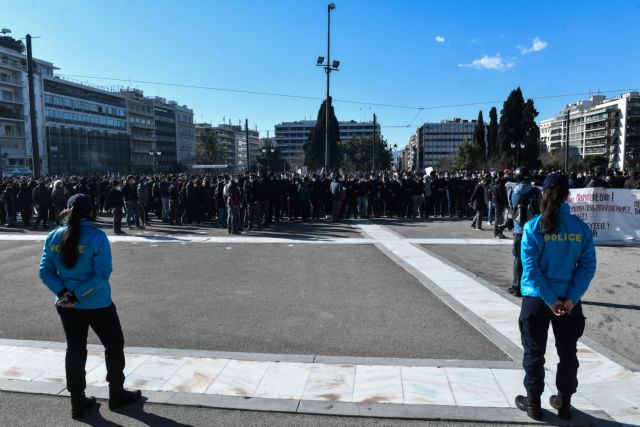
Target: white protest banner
[[613, 214]]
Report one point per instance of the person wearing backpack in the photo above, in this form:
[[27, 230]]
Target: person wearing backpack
[[559, 260], [525, 205]]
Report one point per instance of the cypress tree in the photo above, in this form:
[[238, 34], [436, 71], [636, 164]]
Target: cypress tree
[[511, 130], [314, 148], [492, 132], [479, 136], [530, 156], [518, 126]]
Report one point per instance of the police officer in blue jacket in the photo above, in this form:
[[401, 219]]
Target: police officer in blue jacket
[[559, 262], [75, 266]]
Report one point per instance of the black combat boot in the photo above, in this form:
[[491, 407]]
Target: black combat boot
[[562, 403], [119, 397], [531, 405], [80, 403]]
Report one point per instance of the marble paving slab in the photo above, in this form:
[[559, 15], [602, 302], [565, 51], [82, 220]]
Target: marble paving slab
[[476, 387], [378, 384], [239, 378], [330, 383], [283, 380], [155, 372], [196, 375], [426, 386]]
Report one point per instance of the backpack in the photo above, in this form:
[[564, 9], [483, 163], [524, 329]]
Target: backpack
[[528, 207]]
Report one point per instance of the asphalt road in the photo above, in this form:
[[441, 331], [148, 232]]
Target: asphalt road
[[611, 304], [438, 227], [275, 298], [18, 410], [290, 229]]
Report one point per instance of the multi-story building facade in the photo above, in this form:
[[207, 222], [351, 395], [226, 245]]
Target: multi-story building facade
[[185, 137], [165, 124], [85, 129], [15, 126], [141, 121], [291, 137], [411, 153], [438, 141], [232, 143], [598, 127]]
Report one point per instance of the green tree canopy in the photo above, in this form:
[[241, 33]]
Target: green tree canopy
[[357, 154], [517, 126], [209, 150], [11, 43], [591, 162], [314, 148], [468, 156]]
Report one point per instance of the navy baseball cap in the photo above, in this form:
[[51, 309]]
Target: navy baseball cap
[[556, 179], [80, 201]]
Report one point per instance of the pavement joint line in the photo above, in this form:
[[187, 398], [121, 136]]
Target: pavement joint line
[[495, 309], [255, 381], [506, 346], [273, 357], [607, 352], [313, 407], [245, 239], [603, 380]]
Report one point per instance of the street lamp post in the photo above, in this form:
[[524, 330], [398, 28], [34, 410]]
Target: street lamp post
[[328, 67], [517, 147], [155, 155], [395, 148], [266, 152]]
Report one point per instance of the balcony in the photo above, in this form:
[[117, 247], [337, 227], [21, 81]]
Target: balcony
[[11, 81]]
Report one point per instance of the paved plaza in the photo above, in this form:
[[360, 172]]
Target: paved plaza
[[312, 324]]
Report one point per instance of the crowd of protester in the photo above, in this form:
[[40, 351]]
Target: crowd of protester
[[246, 201]]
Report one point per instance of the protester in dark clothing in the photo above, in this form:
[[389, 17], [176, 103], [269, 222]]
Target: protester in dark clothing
[[24, 203], [114, 202], [304, 199], [10, 205], [633, 182], [499, 199], [42, 201], [59, 200], [174, 218], [478, 203], [598, 180]]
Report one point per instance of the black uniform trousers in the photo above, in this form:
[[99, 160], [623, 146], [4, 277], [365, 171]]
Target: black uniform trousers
[[517, 260], [106, 324], [535, 317]]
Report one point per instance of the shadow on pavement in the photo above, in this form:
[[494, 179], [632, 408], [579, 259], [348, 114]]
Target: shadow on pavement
[[579, 419], [612, 305], [412, 222], [135, 412]]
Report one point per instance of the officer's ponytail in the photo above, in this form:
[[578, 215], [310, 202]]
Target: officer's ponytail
[[552, 199], [69, 244]]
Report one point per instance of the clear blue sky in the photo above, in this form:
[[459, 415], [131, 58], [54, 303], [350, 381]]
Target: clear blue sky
[[416, 53]]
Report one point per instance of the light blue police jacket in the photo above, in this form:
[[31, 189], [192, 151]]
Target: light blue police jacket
[[560, 264], [89, 278]]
